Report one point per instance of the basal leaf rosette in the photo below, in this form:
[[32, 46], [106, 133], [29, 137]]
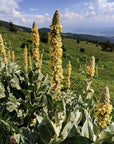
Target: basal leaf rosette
[[103, 109]]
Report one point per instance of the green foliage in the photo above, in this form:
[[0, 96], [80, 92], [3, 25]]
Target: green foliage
[[44, 37], [12, 27]]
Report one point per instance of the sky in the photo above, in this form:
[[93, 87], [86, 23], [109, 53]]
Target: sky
[[74, 14]]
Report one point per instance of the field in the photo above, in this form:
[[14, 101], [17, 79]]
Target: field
[[37, 106], [72, 53]]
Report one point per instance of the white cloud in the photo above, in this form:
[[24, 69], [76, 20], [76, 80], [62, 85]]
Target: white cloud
[[33, 9]]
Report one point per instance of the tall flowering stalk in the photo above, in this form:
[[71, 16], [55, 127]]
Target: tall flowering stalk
[[96, 70], [25, 59], [35, 42], [103, 109], [68, 74], [9, 55], [13, 56], [40, 59], [90, 70], [4, 58], [30, 63], [56, 53]]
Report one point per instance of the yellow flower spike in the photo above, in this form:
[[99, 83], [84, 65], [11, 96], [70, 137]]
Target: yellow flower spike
[[8, 55], [91, 67], [40, 59], [13, 56], [35, 42], [68, 74], [1, 43], [103, 109], [25, 59], [55, 53], [4, 58], [30, 63]]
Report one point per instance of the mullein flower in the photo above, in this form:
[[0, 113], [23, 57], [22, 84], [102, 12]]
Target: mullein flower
[[25, 59], [91, 67], [68, 74], [30, 63], [4, 58], [56, 53], [96, 70], [40, 59], [8, 55], [35, 42], [13, 56], [1, 43], [103, 109]]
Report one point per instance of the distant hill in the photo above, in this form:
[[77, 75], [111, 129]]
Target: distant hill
[[69, 35], [86, 37]]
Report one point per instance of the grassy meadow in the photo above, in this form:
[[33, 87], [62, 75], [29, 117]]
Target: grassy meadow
[[72, 52]]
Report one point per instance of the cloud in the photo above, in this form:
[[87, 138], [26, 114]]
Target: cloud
[[33, 9]]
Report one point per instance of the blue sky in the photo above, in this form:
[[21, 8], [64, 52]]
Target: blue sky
[[74, 14]]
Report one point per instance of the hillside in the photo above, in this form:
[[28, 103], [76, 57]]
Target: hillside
[[85, 37], [71, 52]]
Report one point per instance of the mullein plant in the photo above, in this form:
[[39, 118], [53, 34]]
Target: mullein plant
[[40, 59], [9, 55], [56, 53], [13, 56], [90, 70], [35, 43], [25, 59], [103, 109], [3, 52], [96, 70], [68, 74], [55, 64], [30, 63]]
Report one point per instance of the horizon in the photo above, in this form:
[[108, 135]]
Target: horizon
[[75, 16]]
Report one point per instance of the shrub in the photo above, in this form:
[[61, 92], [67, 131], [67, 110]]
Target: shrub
[[44, 37], [82, 50]]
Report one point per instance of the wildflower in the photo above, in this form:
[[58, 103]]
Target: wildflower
[[4, 58], [1, 43], [33, 121], [55, 53], [35, 42], [13, 56], [91, 67], [40, 59], [8, 55], [25, 59], [96, 70], [68, 73], [103, 109], [30, 63]]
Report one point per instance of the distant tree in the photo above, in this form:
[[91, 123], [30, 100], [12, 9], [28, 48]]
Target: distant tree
[[44, 37], [12, 27], [1, 24], [78, 41]]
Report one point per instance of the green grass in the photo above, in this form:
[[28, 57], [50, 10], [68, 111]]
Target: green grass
[[106, 75]]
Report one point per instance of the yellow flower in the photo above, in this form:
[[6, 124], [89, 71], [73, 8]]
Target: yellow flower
[[13, 56], [33, 121], [35, 42], [68, 73], [90, 70], [25, 59], [8, 55], [30, 63], [55, 53], [103, 109]]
